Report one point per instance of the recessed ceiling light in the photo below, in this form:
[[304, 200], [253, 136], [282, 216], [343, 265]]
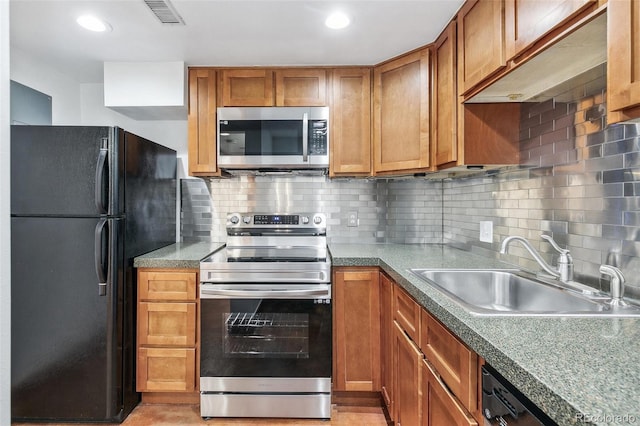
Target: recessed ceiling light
[[92, 23], [337, 20]]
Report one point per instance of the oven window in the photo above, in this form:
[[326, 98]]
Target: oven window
[[265, 335], [265, 338]]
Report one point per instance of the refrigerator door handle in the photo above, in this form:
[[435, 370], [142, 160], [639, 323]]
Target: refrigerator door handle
[[101, 268], [100, 189]]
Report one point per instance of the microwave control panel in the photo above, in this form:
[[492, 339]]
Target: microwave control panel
[[318, 137]]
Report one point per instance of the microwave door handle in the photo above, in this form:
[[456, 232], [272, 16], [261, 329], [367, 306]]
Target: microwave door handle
[[305, 137]]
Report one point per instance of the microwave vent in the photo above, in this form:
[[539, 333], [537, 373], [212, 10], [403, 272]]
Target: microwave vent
[[165, 12]]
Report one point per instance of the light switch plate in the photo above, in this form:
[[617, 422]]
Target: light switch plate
[[486, 231]]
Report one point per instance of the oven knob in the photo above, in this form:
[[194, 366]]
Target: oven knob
[[317, 220], [247, 219], [234, 219], [304, 220]]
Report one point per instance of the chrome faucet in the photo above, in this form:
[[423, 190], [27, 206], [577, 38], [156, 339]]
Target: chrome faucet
[[617, 284], [564, 271]]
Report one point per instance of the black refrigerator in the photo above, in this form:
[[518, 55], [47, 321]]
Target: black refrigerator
[[84, 202]]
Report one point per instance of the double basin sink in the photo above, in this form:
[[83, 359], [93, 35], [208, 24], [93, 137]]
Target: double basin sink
[[506, 292]]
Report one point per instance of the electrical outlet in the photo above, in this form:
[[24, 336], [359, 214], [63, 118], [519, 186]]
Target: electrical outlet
[[352, 219], [486, 231]]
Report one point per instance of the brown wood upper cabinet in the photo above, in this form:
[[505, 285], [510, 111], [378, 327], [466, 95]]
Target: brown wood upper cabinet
[[350, 122], [623, 73], [268, 87], [246, 87], [481, 41], [528, 20], [444, 112], [201, 122], [301, 87], [401, 114]]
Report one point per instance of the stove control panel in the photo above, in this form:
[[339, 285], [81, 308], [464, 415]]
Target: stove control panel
[[262, 220], [276, 219]]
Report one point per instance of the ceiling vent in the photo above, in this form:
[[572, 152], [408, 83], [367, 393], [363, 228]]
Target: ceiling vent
[[165, 12]]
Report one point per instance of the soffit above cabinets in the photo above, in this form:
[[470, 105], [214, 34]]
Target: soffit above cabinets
[[581, 55]]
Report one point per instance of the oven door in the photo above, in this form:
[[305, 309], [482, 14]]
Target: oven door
[[263, 338]]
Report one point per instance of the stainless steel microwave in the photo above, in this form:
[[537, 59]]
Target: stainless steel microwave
[[273, 137]]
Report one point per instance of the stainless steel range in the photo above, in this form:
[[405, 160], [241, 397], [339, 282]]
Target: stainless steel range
[[266, 319]]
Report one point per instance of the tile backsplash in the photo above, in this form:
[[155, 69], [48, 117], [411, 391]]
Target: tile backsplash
[[579, 181]]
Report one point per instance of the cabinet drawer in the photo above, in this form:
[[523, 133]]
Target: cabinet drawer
[[168, 324], [161, 285], [166, 369], [439, 407], [456, 364], [407, 313]]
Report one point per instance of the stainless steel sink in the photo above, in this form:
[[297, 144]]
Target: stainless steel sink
[[498, 292]]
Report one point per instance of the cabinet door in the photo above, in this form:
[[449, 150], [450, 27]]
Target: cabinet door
[[167, 285], [457, 364], [407, 313], [201, 122], [166, 369], [529, 20], [351, 122], [356, 330], [481, 41], [386, 341], [444, 123], [168, 324], [301, 87], [401, 114], [439, 407], [623, 68], [246, 87], [407, 379]]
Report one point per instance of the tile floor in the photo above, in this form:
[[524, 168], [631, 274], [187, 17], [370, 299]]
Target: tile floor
[[189, 415]]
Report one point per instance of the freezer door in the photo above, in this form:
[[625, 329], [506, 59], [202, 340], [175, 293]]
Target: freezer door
[[64, 171], [67, 340], [150, 195]]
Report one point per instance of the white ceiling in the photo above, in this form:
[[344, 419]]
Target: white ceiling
[[224, 32]]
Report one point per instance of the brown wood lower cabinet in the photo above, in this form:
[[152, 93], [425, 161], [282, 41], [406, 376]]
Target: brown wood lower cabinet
[[425, 374], [439, 407], [456, 364], [168, 337], [386, 340], [356, 327], [407, 377], [166, 369]]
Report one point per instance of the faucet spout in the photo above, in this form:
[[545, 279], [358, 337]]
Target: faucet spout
[[617, 284], [532, 251]]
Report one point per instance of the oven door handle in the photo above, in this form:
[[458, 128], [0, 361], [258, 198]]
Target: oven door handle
[[322, 292]]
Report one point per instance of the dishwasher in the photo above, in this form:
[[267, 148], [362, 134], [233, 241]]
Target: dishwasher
[[504, 405]]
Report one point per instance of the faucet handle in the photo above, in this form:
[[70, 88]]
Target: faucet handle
[[617, 283], [555, 245]]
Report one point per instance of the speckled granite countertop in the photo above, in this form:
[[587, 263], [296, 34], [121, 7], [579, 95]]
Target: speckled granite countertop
[[580, 371], [179, 255]]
